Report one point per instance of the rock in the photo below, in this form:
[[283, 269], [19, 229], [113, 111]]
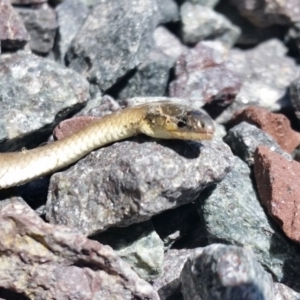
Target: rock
[[27, 2], [263, 13], [277, 126], [70, 17], [13, 34], [139, 245], [203, 23], [115, 37], [125, 183], [278, 188], [168, 11], [35, 94], [37, 256], [244, 138], [208, 3], [258, 69], [168, 43], [41, 24], [282, 292], [232, 214], [294, 90], [202, 76], [227, 273], [168, 284]]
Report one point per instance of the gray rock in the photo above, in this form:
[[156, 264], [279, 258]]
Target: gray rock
[[43, 261], [41, 24], [134, 180], [27, 2], [220, 272], [168, 284], [258, 69], [203, 76], [138, 245], [208, 3], [35, 93], [202, 23], [150, 78], [70, 17], [168, 43], [263, 13], [282, 292], [13, 34], [232, 214], [115, 37], [244, 138], [168, 11]]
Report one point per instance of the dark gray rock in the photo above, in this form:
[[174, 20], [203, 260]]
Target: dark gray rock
[[70, 17], [232, 214], [258, 69], [220, 272], [244, 138], [138, 245], [203, 23], [43, 261], [168, 284], [35, 93], [41, 25], [263, 13], [295, 96], [13, 34], [168, 11], [115, 37], [132, 181], [203, 76]]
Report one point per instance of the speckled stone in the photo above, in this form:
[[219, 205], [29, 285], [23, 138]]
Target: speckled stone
[[36, 257], [221, 272], [115, 37], [133, 180], [283, 292], [279, 190], [277, 126]]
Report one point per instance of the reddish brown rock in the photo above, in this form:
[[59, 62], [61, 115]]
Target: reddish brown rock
[[278, 186], [71, 126], [13, 34], [276, 125]]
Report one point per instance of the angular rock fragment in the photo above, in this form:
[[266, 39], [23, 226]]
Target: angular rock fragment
[[36, 257], [203, 23], [115, 37], [13, 34], [132, 181], [220, 272], [277, 183], [168, 11], [202, 76], [277, 126], [244, 138], [41, 25], [243, 222], [283, 292]]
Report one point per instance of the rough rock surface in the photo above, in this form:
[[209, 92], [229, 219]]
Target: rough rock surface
[[125, 183], [202, 23], [168, 11], [70, 17], [282, 292], [13, 34], [277, 126], [209, 3], [244, 138], [37, 256], [202, 75], [34, 93], [279, 190], [26, 2], [264, 13], [139, 245], [294, 90], [243, 222], [41, 25], [220, 272], [258, 69], [115, 37]]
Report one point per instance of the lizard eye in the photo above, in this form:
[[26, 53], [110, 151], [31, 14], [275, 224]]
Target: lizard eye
[[181, 124]]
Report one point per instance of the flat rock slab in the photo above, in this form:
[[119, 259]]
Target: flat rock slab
[[277, 182], [132, 181], [45, 261], [276, 125]]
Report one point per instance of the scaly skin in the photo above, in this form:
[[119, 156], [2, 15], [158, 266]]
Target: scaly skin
[[158, 119]]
